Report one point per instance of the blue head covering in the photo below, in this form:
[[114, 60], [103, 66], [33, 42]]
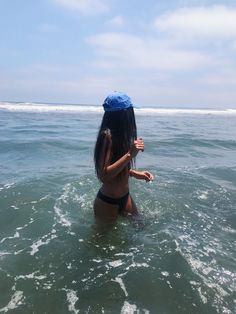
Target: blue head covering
[[117, 101]]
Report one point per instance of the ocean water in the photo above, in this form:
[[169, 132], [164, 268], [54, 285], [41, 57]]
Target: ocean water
[[55, 259]]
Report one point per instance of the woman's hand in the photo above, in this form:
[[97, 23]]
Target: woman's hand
[[137, 146], [146, 175], [142, 175]]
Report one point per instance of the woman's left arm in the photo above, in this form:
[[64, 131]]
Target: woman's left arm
[[141, 175]]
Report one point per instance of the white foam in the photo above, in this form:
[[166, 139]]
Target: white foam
[[2, 253], [202, 270], [35, 246], [141, 265], [177, 275], [7, 185], [33, 107], [18, 252], [14, 207], [128, 308], [72, 298], [16, 300], [136, 265], [203, 196], [165, 273], [44, 197], [31, 276], [16, 235], [69, 194], [97, 260], [202, 296], [47, 286], [26, 225], [63, 220], [69, 266], [122, 285], [116, 263], [124, 254], [228, 230]]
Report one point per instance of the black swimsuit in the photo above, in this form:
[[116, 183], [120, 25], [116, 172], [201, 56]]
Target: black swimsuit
[[121, 202]]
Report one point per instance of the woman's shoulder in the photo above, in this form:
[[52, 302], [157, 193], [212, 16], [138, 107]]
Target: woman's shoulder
[[105, 135]]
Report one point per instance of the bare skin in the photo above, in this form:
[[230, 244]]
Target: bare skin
[[116, 188]]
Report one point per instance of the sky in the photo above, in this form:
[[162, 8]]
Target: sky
[[165, 53]]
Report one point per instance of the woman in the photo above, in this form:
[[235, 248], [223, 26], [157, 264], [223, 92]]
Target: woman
[[114, 156]]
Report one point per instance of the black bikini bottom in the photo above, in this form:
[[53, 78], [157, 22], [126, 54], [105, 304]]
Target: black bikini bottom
[[121, 202]]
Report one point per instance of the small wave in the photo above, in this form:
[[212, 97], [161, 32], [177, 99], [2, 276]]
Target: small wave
[[36, 107], [176, 111], [32, 107]]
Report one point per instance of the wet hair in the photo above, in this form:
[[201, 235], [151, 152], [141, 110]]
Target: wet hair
[[120, 126]]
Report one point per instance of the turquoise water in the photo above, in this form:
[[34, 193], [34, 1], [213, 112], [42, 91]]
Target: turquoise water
[[55, 259]]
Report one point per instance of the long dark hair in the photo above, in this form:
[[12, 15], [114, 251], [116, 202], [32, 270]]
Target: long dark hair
[[121, 127]]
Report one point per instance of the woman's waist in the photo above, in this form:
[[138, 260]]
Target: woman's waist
[[114, 191]]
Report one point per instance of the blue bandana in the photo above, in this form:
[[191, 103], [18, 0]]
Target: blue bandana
[[117, 101]]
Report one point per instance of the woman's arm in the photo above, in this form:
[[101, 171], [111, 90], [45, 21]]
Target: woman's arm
[[141, 175], [114, 169], [109, 171]]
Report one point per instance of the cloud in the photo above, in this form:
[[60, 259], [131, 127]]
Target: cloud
[[123, 50], [117, 21], [189, 59], [220, 79], [90, 7], [205, 22]]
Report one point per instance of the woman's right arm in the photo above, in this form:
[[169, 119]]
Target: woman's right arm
[[110, 171]]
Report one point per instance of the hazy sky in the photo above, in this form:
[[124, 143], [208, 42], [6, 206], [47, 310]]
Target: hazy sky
[[160, 52]]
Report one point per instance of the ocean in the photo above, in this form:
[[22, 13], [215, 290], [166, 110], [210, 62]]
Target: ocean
[[181, 258]]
